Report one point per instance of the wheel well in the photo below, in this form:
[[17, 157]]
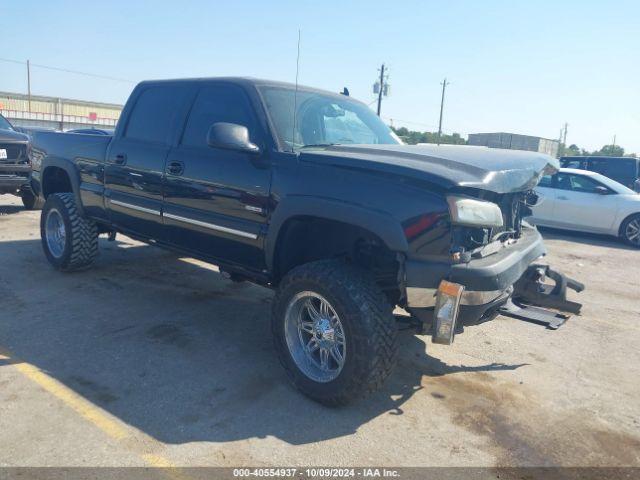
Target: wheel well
[[55, 180], [306, 239], [620, 232]]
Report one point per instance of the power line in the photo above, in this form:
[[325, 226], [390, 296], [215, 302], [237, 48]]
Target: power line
[[66, 70]]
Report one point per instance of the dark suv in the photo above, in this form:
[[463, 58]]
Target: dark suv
[[624, 170], [15, 169]]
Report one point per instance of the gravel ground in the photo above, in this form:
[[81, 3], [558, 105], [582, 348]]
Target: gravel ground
[[154, 359]]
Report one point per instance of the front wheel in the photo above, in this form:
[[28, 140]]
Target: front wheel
[[70, 241], [630, 231], [334, 331]]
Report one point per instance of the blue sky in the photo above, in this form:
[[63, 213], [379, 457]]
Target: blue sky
[[516, 66]]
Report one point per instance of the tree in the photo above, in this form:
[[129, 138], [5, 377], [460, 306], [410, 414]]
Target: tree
[[610, 151], [412, 137], [571, 150]]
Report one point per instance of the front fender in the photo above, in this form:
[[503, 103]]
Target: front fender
[[383, 225]]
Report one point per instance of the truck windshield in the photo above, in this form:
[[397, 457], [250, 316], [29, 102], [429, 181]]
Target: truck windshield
[[322, 119], [4, 124]]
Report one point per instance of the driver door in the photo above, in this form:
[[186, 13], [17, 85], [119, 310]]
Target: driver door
[[582, 205], [216, 200]]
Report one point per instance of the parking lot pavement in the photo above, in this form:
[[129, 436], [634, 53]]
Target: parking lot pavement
[[154, 359]]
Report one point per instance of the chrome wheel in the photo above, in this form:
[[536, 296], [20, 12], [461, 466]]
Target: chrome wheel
[[55, 233], [315, 337], [632, 232]]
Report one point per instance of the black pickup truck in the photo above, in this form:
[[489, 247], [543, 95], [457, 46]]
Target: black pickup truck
[[309, 193], [15, 170]]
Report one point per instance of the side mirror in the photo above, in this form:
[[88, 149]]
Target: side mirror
[[231, 136], [600, 190]]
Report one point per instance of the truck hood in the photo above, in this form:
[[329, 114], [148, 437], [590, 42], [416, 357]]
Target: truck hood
[[450, 166], [12, 137]]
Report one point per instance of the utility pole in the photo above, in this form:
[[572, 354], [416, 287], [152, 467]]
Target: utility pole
[[444, 86], [381, 88], [29, 84], [564, 137], [613, 146]]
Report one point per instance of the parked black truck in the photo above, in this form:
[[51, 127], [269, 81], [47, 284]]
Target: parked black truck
[[15, 169], [309, 193]]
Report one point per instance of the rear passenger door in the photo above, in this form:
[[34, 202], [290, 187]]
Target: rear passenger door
[[135, 162], [216, 200]]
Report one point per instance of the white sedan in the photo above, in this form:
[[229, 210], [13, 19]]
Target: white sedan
[[589, 202]]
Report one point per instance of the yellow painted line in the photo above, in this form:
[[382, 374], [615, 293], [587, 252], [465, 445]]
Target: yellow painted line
[[73, 400], [156, 460], [105, 422]]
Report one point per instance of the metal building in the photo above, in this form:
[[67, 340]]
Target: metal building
[[514, 141], [57, 113]]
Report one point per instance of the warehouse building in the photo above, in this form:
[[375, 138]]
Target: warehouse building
[[514, 141], [57, 113]]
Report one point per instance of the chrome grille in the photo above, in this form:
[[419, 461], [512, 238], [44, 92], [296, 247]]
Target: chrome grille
[[15, 152]]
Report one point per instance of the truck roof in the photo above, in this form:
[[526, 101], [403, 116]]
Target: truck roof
[[597, 157], [246, 82]]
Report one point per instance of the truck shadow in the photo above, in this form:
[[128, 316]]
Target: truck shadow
[[171, 348], [10, 209]]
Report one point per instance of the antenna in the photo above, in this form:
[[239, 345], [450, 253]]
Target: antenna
[[295, 97]]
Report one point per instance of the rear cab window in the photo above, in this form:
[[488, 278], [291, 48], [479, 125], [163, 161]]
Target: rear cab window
[[154, 113]]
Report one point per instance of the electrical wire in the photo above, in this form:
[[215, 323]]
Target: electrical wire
[[66, 70]]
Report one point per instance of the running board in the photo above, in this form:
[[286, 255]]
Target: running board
[[540, 316], [531, 289], [531, 293]]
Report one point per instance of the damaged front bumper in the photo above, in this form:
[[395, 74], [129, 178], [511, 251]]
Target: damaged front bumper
[[486, 283]]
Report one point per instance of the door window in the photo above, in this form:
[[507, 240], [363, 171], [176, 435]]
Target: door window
[[154, 112], [571, 163], [545, 181], [577, 183], [216, 103]]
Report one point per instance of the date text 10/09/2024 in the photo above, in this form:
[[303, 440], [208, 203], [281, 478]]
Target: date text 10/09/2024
[[316, 472]]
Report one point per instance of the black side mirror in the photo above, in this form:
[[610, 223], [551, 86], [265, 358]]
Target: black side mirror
[[600, 190], [231, 136]]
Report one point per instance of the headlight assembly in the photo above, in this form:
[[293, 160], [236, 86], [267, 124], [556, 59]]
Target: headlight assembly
[[469, 211]]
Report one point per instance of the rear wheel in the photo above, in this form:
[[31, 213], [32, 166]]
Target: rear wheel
[[70, 242], [334, 331], [630, 230]]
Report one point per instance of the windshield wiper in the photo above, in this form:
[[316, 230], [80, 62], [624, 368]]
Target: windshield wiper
[[310, 145]]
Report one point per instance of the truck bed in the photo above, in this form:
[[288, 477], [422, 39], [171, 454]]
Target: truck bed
[[69, 146]]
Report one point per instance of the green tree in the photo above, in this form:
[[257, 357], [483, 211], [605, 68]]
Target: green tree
[[611, 151], [413, 137], [571, 151]]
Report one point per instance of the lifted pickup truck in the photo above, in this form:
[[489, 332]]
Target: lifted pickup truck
[[309, 193], [15, 170]]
